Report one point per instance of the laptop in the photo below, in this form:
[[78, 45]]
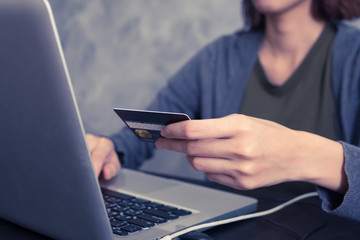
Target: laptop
[[47, 179]]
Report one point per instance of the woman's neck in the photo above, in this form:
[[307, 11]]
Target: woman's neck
[[293, 36], [289, 36]]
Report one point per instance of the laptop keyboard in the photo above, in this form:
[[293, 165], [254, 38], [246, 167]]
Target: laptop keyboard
[[129, 214]]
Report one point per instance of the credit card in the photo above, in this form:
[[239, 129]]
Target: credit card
[[147, 125]]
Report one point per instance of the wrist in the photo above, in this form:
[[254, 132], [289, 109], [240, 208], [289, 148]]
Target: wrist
[[322, 162]]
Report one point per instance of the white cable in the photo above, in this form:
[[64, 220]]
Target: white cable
[[239, 218]]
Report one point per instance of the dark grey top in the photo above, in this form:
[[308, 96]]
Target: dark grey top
[[306, 101]]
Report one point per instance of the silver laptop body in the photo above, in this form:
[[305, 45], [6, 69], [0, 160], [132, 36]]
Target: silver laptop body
[[47, 181]]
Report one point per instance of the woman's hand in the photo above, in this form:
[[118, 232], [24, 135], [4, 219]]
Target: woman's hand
[[103, 155], [247, 153]]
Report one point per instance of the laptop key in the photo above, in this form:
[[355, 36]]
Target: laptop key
[[152, 218], [140, 200], [161, 214], [119, 209], [125, 203], [137, 206], [141, 222], [110, 205], [181, 212], [113, 200], [120, 232], [113, 213], [167, 208], [154, 205], [123, 218], [116, 194], [116, 223], [131, 228], [132, 212]]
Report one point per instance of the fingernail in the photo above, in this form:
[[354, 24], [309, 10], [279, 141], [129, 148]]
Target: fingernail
[[163, 132], [110, 171]]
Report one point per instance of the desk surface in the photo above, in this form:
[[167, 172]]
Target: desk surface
[[303, 220], [297, 221]]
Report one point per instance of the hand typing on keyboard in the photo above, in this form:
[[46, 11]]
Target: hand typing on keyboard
[[103, 155]]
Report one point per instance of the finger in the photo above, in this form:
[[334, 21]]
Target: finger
[[111, 167], [210, 165], [223, 179], [202, 129], [98, 164], [213, 148], [92, 142], [101, 154]]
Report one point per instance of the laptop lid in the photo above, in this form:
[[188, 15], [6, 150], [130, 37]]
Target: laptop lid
[[47, 180], [46, 173]]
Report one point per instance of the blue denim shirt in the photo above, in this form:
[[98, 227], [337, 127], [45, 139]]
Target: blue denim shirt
[[213, 82]]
